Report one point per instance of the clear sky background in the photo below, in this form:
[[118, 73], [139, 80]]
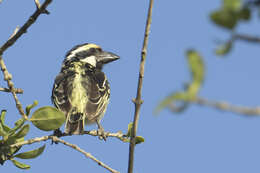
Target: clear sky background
[[199, 140]]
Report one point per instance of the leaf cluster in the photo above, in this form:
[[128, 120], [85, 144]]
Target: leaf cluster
[[46, 118], [228, 16]]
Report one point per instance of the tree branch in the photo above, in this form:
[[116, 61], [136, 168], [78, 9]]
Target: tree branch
[[56, 139], [244, 37], [227, 107], [16, 90], [138, 101], [13, 38], [24, 28], [119, 135], [223, 106], [8, 79]]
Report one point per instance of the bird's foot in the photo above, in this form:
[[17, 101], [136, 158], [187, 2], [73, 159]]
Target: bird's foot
[[101, 132], [57, 133]]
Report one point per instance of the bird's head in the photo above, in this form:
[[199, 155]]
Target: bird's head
[[90, 54]]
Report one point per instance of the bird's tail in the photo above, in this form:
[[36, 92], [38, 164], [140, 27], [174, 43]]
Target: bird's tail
[[74, 124]]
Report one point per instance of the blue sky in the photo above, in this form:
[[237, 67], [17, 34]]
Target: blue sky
[[199, 140]]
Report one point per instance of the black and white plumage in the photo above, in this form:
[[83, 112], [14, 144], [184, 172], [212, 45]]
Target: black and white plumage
[[81, 90]]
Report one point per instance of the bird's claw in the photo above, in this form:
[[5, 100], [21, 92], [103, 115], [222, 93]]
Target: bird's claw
[[57, 133], [101, 134]]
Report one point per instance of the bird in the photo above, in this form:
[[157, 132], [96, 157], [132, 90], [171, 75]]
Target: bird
[[81, 89]]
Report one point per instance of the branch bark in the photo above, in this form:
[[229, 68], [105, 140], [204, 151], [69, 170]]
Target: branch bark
[[220, 105], [119, 135], [13, 38], [138, 101], [24, 28], [16, 90], [224, 106], [75, 147]]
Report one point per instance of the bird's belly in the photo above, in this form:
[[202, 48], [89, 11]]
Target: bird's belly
[[78, 94]]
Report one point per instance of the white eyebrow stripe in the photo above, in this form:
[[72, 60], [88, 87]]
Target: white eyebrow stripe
[[73, 53]]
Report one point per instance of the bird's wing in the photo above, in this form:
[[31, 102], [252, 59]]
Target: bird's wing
[[60, 91], [98, 97]]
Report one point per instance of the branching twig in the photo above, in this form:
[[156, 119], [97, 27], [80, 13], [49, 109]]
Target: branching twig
[[118, 135], [56, 139], [13, 38], [8, 79], [16, 90], [38, 5], [138, 100], [24, 28]]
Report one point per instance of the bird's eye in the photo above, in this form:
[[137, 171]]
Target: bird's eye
[[92, 50]]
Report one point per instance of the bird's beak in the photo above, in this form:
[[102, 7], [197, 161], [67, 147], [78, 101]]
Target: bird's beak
[[107, 57]]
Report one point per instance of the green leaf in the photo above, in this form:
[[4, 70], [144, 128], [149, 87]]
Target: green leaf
[[31, 154], [224, 48], [129, 129], [197, 69], [171, 99], [139, 139], [244, 14], [2, 122], [48, 118], [196, 65], [20, 165], [18, 124], [29, 107], [13, 140], [224, 18], [233, 5], [22, 132], [2, 132]]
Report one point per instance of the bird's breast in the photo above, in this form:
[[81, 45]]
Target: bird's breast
[[79, 93]]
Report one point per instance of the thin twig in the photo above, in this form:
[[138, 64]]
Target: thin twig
[[227, 107], [8, 79], [38, 6], [37, 3], [15, 31], [14, 37], [244, 37], [56, 139], [220, 105], [138, 100], [24, 28], [16, 90], [118, 135]]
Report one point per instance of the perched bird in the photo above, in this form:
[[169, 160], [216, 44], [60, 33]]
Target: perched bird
[[81, 90]]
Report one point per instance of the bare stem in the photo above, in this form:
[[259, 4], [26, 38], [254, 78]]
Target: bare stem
[[16, 90], [118, 135], [228, 107], [220, 105], [24, 28], [138, 101], [88, 155], [248, 38], [8, 79], [13, 38], [56, 139]]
